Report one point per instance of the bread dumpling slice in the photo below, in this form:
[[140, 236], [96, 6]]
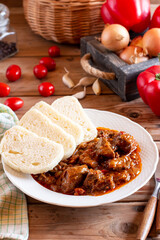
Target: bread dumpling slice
[[70, 107], [61, 120], [35, 121], [25, 151]]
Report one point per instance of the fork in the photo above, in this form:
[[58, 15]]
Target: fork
[[149, 213]]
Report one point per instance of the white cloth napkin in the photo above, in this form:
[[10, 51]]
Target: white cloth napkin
[[13, 205]]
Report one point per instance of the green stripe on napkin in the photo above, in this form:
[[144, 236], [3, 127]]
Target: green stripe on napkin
[[13, 205]]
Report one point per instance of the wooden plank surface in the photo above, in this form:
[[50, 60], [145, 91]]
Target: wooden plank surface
[[135, 110], [114, 221], [28, 84]]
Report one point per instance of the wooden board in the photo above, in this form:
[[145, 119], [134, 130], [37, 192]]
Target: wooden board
[[28, 84], [116, 221], [119, 221], [126, 75]]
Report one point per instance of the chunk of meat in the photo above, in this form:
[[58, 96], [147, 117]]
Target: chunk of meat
[[85, 154], [84, 158], [103, 148], [71, 178], [123, 176], [127, 143], [120, 163], [74, 158], [97, 181], [111, 136], [119, 140], [107, 133]]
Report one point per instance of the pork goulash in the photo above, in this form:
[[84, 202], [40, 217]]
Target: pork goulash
[[102, 165], [63, 150]]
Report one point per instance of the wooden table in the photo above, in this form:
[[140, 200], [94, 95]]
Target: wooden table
[[119, 220]]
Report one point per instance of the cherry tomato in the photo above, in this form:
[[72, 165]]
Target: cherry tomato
[[48, 62], [54, 51], [4, 89], [40, 71], [46, 89], [14, 103], [13, 73]]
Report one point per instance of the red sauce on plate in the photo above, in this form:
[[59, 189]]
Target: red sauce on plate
[[97, 167]]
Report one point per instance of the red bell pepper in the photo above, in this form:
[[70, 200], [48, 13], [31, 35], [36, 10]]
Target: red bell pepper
[[148, 83], [132, 14], [155, 22]]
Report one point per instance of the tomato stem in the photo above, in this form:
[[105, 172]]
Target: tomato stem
[[157, 76], [159, 56]]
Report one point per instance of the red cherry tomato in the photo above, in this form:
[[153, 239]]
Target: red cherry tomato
[[46, 89], [13, 73], [4, 90], [48, 62], [40, 71], [54, 51], [14, 103]]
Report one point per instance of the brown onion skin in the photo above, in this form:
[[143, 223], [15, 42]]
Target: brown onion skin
[[115, 37], [137, 42], [141, 59], [130, 52], [151, 42]]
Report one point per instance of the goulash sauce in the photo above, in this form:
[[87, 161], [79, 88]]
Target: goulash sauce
[[96, 167]]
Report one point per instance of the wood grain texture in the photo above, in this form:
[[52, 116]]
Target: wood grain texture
[[113, 221], [135, 110], [158, 217], [147, 219], [117, 221], [28, 84]]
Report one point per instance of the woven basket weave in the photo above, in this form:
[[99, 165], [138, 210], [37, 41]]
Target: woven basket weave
[[64, 21]]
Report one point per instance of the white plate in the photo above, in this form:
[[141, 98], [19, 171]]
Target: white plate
[[149, 155]]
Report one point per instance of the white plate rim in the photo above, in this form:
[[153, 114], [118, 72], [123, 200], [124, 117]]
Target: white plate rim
[[86, 202]]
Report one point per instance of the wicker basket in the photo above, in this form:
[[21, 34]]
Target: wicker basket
[[64, 21]]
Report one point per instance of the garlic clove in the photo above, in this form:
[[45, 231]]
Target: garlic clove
[[85, 82], [67, 80], [96, 87], [80, 95]]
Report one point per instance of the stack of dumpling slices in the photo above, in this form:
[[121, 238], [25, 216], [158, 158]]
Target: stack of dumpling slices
[[45, 135]]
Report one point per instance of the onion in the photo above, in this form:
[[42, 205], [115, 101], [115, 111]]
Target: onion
[[132, 55], [115, 37], [151, 42], [140, 59], [137, 42]]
